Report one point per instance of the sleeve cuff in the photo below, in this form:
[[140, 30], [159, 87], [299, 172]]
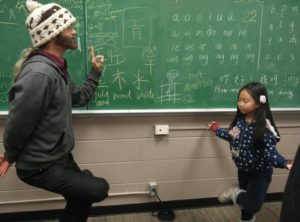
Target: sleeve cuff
[[8, 159], [214, 127], [95, 74]]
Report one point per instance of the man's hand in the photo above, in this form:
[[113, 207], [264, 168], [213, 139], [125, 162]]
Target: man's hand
[[4, 165], [97, 61]]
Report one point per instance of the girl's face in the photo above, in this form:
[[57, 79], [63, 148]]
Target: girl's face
[[246, 103]]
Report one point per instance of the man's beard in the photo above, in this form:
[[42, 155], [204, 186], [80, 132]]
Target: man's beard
[[66, 42]]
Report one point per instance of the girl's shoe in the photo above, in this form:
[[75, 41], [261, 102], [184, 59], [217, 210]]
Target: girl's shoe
[[231, 194]]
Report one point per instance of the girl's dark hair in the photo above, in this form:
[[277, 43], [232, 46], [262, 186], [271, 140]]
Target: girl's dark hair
[[263, 112]]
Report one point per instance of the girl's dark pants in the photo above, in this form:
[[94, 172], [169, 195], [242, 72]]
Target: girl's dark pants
[[256, 184], [79, 188]]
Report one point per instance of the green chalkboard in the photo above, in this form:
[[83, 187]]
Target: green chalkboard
[[179, 54], [182, 54]]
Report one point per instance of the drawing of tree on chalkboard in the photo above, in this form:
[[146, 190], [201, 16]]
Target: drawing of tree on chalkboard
[[169, 91]]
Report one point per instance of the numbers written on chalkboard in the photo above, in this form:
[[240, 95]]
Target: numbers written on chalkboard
[[250, 16]]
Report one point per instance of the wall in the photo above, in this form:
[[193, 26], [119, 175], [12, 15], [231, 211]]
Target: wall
[[186, 164]]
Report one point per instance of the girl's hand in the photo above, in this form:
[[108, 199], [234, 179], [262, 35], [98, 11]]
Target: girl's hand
[[289, 164], [213, 126], [97, 61]]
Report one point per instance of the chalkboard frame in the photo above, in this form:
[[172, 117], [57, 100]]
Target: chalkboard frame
[[147, 112]]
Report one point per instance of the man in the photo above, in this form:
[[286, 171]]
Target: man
[[290, 210], [38, 134]]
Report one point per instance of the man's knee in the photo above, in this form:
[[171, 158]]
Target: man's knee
[[98, 190], [103, 191]]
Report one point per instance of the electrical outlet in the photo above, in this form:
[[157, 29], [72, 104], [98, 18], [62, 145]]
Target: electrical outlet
[[161, 129], [152, 188]]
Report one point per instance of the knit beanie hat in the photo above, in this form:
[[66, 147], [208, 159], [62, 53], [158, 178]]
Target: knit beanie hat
[[46, 21]]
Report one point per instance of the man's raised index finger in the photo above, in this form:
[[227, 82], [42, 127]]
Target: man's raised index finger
[[92, 53]]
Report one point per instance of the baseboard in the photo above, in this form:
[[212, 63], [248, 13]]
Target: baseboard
[[121, 209]]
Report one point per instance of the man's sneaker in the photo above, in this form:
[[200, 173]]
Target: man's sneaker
[[230, 195]]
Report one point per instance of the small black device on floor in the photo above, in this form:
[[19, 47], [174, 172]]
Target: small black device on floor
[[166, 215]]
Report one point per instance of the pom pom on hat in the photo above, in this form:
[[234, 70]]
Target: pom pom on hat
[[32, 4], [46, 21]]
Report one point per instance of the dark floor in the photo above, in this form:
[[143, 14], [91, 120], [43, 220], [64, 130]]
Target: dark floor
[[269, 213]]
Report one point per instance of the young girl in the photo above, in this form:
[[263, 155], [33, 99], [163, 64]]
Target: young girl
[[252, 136]]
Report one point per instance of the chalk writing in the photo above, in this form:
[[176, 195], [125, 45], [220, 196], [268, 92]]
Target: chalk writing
[[137, 27], [199, 50]]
